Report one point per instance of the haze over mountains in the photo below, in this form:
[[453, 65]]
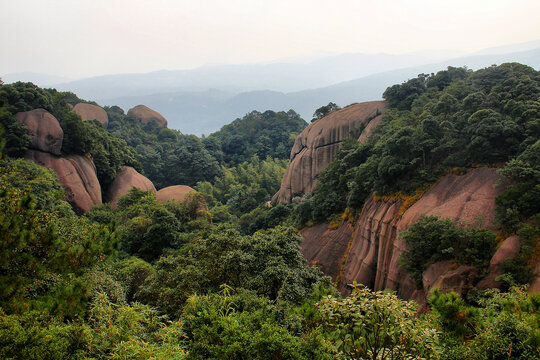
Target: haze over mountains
[[201, 100]]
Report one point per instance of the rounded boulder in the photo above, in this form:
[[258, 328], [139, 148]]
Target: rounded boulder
[[44, 130], [125, 179], [145, 114], [92, 112]]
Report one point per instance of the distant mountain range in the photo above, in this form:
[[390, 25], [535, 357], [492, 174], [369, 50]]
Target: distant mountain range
[[204, 99]]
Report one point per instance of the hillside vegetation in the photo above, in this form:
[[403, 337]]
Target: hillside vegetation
[[219, 275]]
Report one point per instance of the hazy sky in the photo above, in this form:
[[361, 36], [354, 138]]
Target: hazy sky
[[79, 38]]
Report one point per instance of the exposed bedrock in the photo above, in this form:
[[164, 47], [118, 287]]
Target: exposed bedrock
[[317, 144], [92, 112], [77, 174], [375, 245], [145, 114], [125, 179], [44, 130]]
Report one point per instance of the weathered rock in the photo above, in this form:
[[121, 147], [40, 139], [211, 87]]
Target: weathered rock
[[508, 249], [317, 144], [435, 271], [77, 174], [92, 112], [458, 280], [535, 283], [125, 179], [175, 192], [145, 114], [44, 130], [375, 248], [326, 248]]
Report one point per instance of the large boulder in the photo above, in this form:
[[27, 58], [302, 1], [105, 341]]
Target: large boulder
[[92, 112], [44, 130], [175, 192], [125, 179], [145, 114], [317, 144], [77, 174]]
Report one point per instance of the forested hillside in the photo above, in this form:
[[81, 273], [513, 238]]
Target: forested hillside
[[219, 274]]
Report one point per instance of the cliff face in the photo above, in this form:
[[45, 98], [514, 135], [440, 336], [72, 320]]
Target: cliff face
[[317, 144], [375, 245]]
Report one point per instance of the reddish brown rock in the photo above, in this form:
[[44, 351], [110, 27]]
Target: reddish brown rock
[[145, 114], [459, 280], [92, 112], [176, 193], [77, 174], [508, 249], [375, 249], [434, 272], [326, 248], [125, 179], [535, 283], [318, 143], [44, 130]]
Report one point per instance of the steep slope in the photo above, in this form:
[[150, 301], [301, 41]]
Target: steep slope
[[372, 257], [317, 145]]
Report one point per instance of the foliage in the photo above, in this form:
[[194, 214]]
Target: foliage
[[242, 325], [243, 188], [376, 325], [167, 156], [432, 239], [267, 134], [268, 262], [453, 119], [324, 110]]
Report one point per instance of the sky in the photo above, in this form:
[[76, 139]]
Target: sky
[[82, 38]]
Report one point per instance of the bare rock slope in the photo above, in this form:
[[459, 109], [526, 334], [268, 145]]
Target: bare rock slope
[[372, 256], [318, 143]]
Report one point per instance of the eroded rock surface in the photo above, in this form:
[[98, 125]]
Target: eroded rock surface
[[326, 248], [375, 249], [125, 179], [145, 114], [317, 144], [92, 112], [77, 174], [44, 130], [508, 249]]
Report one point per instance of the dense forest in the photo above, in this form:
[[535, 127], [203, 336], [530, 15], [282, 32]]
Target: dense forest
[[220, 274]]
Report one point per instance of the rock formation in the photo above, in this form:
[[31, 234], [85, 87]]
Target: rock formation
[[175, 192], [92, 112], [145, 114], [318, 143], [44, 130], [77, 174], [125, 179], [372, 257]]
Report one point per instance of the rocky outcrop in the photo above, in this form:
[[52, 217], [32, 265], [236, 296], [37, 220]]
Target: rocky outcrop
[[92, 112], [326, 248], [77, 174], [44, 130], [175, 192], [375, 244], [125, 179], [508, 249], [145, 114], [317, 144]]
